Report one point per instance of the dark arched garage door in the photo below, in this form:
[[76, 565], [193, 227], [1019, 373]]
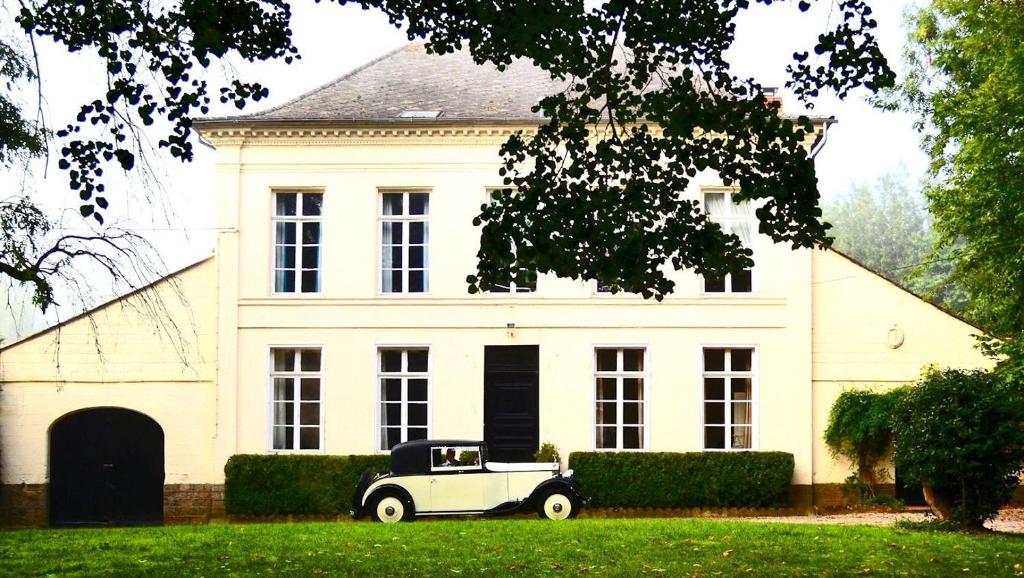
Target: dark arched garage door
[[106, 467]]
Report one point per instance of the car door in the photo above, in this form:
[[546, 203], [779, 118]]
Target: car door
[[456, 485]]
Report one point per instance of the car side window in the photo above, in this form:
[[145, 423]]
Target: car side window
[[454, 458]]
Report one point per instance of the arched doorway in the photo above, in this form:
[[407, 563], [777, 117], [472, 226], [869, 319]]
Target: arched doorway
[[106, 467]]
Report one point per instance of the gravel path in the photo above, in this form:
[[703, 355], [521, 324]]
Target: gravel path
[[1009, 519]]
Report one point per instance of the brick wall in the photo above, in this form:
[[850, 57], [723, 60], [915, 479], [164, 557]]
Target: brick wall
[[193, 503], [23, 506]]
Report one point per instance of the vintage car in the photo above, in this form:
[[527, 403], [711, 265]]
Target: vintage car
[[454, 477]]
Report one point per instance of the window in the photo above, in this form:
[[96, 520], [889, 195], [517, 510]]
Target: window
[[454, 458], [404, 235], [736, 218], [297, 242], [295, 400], [619, 382], [523, 280], [404, 396], [728, 398]]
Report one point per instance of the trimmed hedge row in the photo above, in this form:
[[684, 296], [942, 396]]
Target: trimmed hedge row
[[684, 480], [275, 485]]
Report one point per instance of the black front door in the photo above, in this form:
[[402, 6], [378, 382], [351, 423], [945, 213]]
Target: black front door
[[106, 467], [511, 402]]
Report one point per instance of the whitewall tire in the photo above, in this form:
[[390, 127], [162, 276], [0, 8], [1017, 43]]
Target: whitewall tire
[[558, 505], [389, 509]]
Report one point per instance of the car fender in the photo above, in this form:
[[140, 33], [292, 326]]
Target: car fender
[[561, 483], [391, 488]]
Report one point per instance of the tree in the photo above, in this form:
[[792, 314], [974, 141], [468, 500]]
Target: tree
[[886, 227], [960, 434], [649, 101], [965, 83]]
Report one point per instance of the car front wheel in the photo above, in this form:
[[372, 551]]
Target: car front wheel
[[389, 508], [558, 505]]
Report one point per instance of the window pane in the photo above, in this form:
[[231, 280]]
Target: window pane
[[742, 412], [417, 360], [742, 359], [742, 282], [606, 414], [419, 203], [714, 285], [392, 203], [632, 413], [285, 233], [714, 360], [417, 233], [311, 203], [390, 436], [714, 388], [284, 389], [310, 257], [417, 390], [607, 360], [309, 438], [284, 257], [417, 283], [283, 438], [391, 414], [310, 389], [740, 387], [417, 433], [631, 438], [310, 360], [310, 281], [633, 359], [417, 414], [742, 437], [284, 204], [606, 438], [416, 257], [309, 414], [391, 389], [606, 388], [284, 281], [391, 360], [396, 284], [392, 233], [284, 413], [393, 257], [714, 413], [284, 360], [500, 289], [714, 438], [311, 233], [633, 388], [714, 204]]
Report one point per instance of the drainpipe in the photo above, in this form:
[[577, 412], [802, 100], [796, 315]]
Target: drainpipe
[[820, 144]]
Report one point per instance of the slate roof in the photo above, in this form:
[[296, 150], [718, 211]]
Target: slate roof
[[410, 79]]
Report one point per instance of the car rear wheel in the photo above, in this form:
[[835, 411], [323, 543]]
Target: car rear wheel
[[389, 508], [558, 505]]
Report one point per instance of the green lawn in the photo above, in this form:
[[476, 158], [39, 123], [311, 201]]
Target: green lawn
[[671, 547]]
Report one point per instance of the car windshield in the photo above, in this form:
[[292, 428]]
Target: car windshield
[[455, 458]]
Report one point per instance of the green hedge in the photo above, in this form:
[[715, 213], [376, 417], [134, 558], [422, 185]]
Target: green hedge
[[684, 480], [275, 485]]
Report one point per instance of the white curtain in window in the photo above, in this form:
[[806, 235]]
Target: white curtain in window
[[715, 204], [745, 231]]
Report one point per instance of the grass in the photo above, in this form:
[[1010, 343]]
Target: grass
[[671, 547]]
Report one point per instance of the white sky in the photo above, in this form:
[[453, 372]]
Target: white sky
[[179, 220]]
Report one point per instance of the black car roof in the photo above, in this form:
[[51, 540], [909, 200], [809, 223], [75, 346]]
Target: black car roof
[[412, 458]]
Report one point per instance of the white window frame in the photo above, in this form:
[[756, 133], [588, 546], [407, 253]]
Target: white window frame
[[405, 376], [271, 374], [298, 219], [404, 219], [726, 222], [619, 375], [755, 413]]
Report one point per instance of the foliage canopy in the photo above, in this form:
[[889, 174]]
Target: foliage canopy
[[650, 101], [860, 426]]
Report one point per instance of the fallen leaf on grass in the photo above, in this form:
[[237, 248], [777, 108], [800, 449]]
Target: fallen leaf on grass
[[726, 554]]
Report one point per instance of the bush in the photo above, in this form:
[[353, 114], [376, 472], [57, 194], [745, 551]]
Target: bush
[[547, 454], [274, 485], [684, 480], [960, 433], [860, 429]]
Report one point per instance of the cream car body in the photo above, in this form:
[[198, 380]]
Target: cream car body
[[455, 478]]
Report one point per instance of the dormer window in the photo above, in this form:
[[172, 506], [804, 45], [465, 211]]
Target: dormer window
[[420, 114], [736, 217]]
